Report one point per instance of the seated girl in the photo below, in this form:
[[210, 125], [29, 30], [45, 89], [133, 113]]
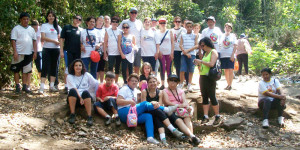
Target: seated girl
[[145, 73], [79, 84], [270, 97], [173, 96]]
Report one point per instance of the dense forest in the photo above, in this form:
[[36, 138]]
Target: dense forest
[[272, 26]]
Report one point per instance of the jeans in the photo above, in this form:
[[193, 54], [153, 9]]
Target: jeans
[[266, 105], [93, 66]]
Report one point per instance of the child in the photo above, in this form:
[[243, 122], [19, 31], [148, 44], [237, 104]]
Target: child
[[23, 41], [145, 73], [106, 98], [188, 44]]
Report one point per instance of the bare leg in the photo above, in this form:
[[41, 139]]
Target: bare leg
[[188, 123], [190, 77], [16, 78], [205, 109], [114, 110], [101, 112], [181, 77], [166, 122], [52, 78], [117, 78], [230, 76], [101, 76], [72, 103], [161, 130], [24, 78], [137, 70], [227, 76], [179, 122], [216, 109], [43, 79], [88, 106]]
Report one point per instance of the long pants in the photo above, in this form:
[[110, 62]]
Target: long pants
[[126, 64], [266, 105], [208, 90], [143, 118], [165, 64], [158, 117], [242, 59], [50, 61], [93, 66], [114, 61]]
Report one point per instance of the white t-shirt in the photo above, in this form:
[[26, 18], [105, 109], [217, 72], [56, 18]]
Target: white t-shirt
[[177, 34], [112, 41], [227, 45], [50, 33], [270, 86], [214, 34], [95, 36], [82, 83], [135, 29], [23, 37], [148, 43], [189, 42], [38, 40], [165, 47], [127, 94]]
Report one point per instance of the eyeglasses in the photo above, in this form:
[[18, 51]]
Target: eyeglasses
[[78, 18], [134, 12], [114, 21], [125, 27], [162, 23], [177, 21]]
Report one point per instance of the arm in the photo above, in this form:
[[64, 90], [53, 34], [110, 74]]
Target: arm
[[184, 101], [121, 101], [105, 45], [233, 52], [214, 57], [34, 48], [144, 94], [166, 100], [181, 45], [119, 46], [133, 41], [13, 44], [195, 45], [44, 38], [172, 45], [62, 41]]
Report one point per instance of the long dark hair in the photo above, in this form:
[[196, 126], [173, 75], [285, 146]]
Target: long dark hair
[[55, 25], [207, 41], [71, 67]]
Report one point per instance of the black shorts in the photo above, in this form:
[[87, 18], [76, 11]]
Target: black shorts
[[24, 65], [84, 95], [101, 64]]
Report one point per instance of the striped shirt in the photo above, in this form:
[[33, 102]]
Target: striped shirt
[[189, 42]]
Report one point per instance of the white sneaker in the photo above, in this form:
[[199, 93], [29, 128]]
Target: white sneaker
[[180, 85], [189, 88], [53, 89], [265, 124], [280, 121], [41, 90], [152, 140], [170, 109]]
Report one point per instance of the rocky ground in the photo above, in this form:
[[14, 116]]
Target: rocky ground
[[40, 122]]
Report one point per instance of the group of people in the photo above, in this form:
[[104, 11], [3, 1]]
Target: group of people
[[128, 43]]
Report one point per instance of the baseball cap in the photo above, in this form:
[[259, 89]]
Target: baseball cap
[[153, 19], [133, 9], [162, 20], [95, 56], [242, 35], [211, 18], [173, 76]]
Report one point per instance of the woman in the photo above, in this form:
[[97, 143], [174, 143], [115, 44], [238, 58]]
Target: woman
[[90, 41], [270, 96], [38, 60], [149, 52], [99, 22], [227, 51], [126, 45], [207, 85], [79, 84], [110, 47], [50, 33], [127, 97], [243, 49], [174, 96], [165, 47], [153, 95]]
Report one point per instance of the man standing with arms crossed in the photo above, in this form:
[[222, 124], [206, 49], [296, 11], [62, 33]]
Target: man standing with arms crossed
[[135, 28]]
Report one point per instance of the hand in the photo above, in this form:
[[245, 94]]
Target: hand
[[132, 103], [62, 54], [123, 56], [171, 56], [197, 61], [188, 55], [34, 56], [156, 56], [97, 47], [159, 55], [232, 58], [105, 57], [81, 101], [57, 42], [155, 105], [83, 49], [16, 56]]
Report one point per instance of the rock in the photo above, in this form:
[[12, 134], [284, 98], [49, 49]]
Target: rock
[[233, 97], [84, 129], [232, 123], [60, 121], [81, 133], [55, 108]]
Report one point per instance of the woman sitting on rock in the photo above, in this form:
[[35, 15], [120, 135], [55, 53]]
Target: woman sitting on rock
[[270, 96]]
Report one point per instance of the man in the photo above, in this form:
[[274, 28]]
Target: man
[[23, 41], [70, 43], [154, 23], [135, 29], [212, 32]]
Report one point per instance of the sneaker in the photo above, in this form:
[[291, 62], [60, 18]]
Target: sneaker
[[217, 120], [89, 121], [204, 120], [164, 142], [170, 109], [41, 90], [108, 121], [162, 87], [72, 118], [177, 133], [280, 121], [196, 141], [152, 140], [53, 89], [18, 89], [265, 124], [180, 85], [189, 88], [66, 90], [25, 89], [118, 121]]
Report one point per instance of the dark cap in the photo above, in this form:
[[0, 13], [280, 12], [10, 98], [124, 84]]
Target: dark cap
[[211, 18], [153, 19], [173, 76], [24, 14], [133, 9], [242, 35]]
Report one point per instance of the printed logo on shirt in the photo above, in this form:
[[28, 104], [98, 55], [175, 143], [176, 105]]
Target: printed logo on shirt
[[52, 30], [214, 38], [148, 38], [226, 42], [93, 40]]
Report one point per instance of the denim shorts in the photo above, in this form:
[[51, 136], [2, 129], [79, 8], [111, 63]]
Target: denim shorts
[[187, 64]]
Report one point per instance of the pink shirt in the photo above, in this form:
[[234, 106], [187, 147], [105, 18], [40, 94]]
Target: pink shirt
[[172, 98]]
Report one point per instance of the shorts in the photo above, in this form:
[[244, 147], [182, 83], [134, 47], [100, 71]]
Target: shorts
[[23, 64], [150, 60], [101, 64], [137, 58], [226, 63], [107, 105], [84, 95], [187, 64]]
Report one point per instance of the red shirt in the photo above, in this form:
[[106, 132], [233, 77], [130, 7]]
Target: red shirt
[[104, 91]]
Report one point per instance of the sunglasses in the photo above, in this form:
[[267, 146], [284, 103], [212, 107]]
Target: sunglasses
[[114, 21], [173, 80], [78, 18], [125, 27], [133, 12], [177, 21], [162, 23]]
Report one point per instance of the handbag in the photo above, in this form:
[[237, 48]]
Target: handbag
[[132, 117], [183, 112], [215, 72], [236, 66]]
